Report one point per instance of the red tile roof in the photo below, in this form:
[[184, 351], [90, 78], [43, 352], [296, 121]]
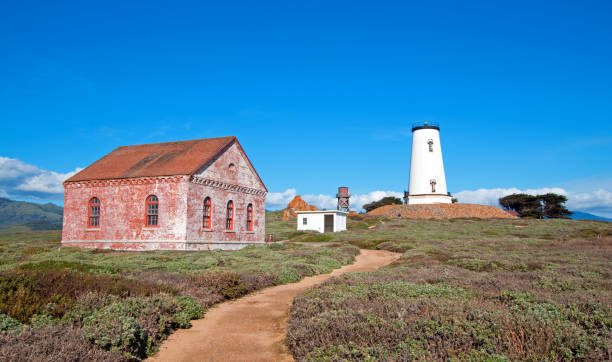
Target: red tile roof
[[157, 159]]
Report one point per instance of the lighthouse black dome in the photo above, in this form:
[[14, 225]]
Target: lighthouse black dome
[[425, 125]]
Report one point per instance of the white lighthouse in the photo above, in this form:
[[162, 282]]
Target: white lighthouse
[[427, 179]]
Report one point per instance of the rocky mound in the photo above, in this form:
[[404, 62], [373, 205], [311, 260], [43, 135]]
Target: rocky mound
[[441, 211], [297, 204]]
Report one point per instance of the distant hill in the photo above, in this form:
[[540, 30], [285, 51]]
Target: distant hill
[[33, 216], [579, 215]]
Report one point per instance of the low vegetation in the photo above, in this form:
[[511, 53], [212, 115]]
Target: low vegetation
[[281, 229], [521, 289], [464, 289], [111, 305]]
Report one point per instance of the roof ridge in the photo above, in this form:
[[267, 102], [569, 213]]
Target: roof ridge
[[184, 141]]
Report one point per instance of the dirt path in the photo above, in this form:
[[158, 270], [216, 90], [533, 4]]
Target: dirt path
[[253, 328]]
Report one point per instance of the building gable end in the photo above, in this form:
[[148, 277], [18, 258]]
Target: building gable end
[[231, 165]]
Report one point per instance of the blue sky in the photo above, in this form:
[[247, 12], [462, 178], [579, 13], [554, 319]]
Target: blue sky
[[320, 95]]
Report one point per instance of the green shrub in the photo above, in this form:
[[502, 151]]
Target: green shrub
[[24, 293], [592, 233], [66, 265], [293, 272], [475, 264], [189, 309], [41, 320], [361, 222], [277, 246], [295, 234], [8, 324], [80, 302], [228, 284], [357, 217], [33, 250], [395, 247], [470, 289], [135, 326], [102, 251], [367, 244], [316, 238], [376, 316], [51, 343]]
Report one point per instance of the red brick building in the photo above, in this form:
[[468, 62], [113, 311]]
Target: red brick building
[[190, 195]]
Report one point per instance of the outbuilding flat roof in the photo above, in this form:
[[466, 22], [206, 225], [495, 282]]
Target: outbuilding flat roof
[[322, 212]]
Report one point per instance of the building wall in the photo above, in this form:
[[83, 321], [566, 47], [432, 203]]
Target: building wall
[[123, 213], [426, 166], [339, 222], [242, 174], [228, 177], [217, 236], [123, 209], [316, 221], [436, 199]]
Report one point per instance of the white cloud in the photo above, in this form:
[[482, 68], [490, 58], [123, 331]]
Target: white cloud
[[492, 196], [598, 202], [47, 182], [24, 181], [11, 168], [279, 200], [357, 201], [325, 202]]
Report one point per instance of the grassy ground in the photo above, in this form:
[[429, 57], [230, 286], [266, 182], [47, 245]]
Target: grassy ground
[[286, 229], [109, 305], [281, 229], [465, 290]]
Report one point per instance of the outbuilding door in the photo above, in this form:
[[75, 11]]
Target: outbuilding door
[[329, 224]]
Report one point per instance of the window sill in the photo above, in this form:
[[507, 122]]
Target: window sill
[[207, 229], [150, 228], [92, 229], [230, 231], [249, 232]]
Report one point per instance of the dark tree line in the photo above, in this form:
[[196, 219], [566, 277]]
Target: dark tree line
[[540, 206], [389, 200]]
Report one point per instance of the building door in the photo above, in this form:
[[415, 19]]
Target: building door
[[329, 224]]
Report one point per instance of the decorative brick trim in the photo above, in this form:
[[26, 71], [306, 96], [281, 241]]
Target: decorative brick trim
[[226, 186], [126, 181]]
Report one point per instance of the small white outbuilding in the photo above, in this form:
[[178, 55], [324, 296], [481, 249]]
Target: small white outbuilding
[[323, 221]]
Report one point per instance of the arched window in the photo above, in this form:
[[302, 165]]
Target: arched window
[[206, 221], [430, 143], [152, 211], [249, 219], [93, 220], [229, 218], [433, 185]]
